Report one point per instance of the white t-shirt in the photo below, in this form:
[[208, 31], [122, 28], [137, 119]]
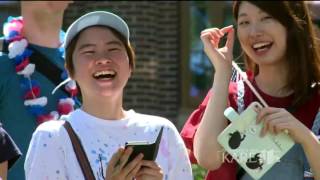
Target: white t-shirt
[[51, 156]]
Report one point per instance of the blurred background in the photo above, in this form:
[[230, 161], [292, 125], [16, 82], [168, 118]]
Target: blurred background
[[172, 73]]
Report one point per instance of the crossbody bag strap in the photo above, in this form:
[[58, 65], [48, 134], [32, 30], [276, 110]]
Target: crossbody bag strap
[[80, 153], [46, 67], [43, 65]]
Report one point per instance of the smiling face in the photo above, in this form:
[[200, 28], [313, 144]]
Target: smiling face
[[101, 63], [262, 37]]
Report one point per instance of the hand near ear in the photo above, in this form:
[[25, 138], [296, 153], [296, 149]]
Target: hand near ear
[[221, 58]]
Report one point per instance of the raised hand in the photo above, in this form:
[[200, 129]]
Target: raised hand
[[118, 169], [150, 170], [221, 58]]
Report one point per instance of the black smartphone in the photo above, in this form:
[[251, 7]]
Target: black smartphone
[[149, 150]]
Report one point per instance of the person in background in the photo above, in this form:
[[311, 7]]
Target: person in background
[[283, 64], [100, 58], [9, 153], [31, 64]]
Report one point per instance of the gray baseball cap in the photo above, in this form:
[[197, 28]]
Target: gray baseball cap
[[102, 18]]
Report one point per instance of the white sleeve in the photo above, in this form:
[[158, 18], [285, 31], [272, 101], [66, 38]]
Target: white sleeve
[[45, 157], [180, 166]]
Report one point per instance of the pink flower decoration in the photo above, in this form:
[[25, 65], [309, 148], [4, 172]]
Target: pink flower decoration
[[65, 107], [22, 65], [14, 25], [17, 46], [34, 92]]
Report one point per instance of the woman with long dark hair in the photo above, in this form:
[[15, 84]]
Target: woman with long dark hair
[[283, 64]]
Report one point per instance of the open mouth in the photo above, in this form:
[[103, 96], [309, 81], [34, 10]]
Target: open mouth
[[105, 75], [262, 46]]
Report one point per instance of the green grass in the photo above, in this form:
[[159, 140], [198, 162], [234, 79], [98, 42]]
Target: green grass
[[199, 173]]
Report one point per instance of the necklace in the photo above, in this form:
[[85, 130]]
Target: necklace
[[19, 53]]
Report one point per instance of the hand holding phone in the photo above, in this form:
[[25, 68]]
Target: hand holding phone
[[149, 150], [118, 168]]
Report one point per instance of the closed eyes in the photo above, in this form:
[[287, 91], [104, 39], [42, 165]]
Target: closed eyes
[[266, 18], [88, 52], [114, 49], [241, 23], [246, 22]]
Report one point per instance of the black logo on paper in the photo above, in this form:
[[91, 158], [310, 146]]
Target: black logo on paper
[[235, 139], [255, 162]]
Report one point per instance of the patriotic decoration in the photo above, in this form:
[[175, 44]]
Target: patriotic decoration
[[19, 53]]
